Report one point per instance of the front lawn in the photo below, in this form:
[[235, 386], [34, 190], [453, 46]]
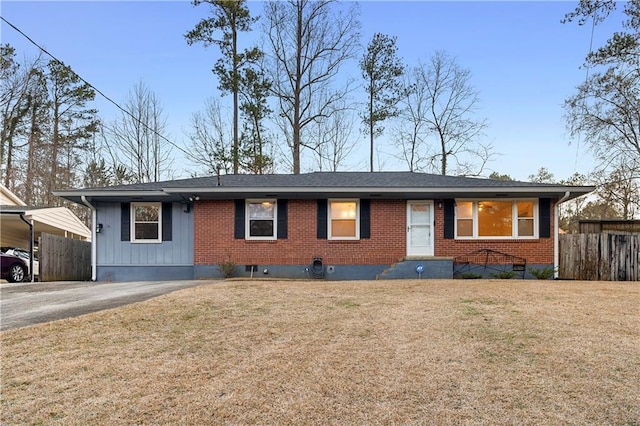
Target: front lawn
[[358, 352]]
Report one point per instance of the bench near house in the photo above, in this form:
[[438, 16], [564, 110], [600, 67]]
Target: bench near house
[[327, 225]]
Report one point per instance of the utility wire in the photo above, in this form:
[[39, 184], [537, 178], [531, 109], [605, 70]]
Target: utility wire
[[586, 78], [42, 49]]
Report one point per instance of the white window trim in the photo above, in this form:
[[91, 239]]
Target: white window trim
[[514, 219], [247, 219], [343, 200], [133, 223]]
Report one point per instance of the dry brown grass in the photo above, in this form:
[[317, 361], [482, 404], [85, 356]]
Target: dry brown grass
[[384, 352]]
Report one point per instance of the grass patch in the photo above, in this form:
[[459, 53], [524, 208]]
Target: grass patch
[[384, 352], [349, 304]]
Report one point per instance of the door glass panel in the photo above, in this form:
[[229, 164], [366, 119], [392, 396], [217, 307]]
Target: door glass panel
[[420, 235], [419, 213]]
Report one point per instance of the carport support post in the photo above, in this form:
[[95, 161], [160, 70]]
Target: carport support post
[[94, 235], [30, 223]]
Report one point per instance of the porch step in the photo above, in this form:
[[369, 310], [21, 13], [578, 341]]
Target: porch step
[[433, 267]]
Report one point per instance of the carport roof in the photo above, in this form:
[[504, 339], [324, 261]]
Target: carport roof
[[398, 185], [53, 220]]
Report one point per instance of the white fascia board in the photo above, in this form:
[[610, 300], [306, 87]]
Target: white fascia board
[[10, 196], [61, 218]]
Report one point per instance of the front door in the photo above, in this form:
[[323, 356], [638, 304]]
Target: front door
[[419, 228]]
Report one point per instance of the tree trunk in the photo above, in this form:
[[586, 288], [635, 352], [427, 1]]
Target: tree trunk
[[51, 181], [296, 96], [236, 159], [443, 148], [8, 165], [28, 194], [371, 125]]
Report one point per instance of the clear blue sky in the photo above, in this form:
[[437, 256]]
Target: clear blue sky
[[523, 61]]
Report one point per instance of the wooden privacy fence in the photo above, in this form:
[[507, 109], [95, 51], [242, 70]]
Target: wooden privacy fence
[[608, 256], [64, 259]]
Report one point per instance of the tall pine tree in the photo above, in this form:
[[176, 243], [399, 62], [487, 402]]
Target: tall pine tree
[[228, 18], [382, 71]]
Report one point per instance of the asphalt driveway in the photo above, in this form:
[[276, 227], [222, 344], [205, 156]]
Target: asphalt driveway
[[23, 304]]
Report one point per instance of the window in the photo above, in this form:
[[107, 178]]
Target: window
[[145, 222], [496, 219], [525, 218], [343, 220], [464, 215], [261, 220]]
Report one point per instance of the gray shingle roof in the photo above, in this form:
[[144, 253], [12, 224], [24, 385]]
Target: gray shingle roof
[[328, 179], [308, 185]]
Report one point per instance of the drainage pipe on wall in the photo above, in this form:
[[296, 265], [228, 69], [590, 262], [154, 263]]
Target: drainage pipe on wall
[[556, 234], [94, 238]]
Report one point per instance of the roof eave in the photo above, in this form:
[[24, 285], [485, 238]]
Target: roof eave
[[225, 192], [76, 195]]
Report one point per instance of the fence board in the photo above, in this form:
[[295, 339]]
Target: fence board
[[608, 256], [64, 259]]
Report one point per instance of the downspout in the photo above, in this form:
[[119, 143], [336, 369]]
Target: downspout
[[556, 235], [94, 238], [30, 224]]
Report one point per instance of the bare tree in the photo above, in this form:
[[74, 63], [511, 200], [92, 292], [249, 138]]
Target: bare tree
[[137, 138], [605, 110], [413, 128], [37, 128], [209, 140], [442, 108], [21, 87], [575, 209], [620, 187], [308, 42], [606, 113], [46, 123], [72, 124], [103, 164], [332, 140]]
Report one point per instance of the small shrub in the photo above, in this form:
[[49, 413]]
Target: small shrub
[[471, 276], [504, 275], [227, 268], [542, 274]]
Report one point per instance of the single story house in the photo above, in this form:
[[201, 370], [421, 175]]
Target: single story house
[[331, 225]]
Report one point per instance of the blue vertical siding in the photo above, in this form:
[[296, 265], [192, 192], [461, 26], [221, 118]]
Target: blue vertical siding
[[113, 252]]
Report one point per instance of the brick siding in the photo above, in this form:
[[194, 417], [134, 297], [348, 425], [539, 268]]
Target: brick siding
[[537, 251], [215, 242]]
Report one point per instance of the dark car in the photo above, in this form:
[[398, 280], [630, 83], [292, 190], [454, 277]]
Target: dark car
[[14, 269], [23, 254]]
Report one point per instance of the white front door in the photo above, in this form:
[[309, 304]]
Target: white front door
[[419, 228]]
